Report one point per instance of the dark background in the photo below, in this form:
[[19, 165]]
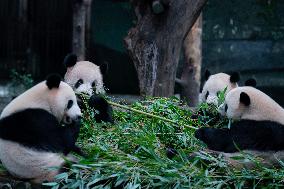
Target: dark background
[[245, 36]]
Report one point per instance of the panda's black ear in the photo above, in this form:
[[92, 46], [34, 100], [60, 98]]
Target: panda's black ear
[[234, 77], [200, 89], [250, 82], [207, 74], [70, 60], [104, 68], [245, 99], [53, 81]]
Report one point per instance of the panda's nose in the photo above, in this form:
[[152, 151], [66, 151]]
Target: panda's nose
[[212, 100], [78, 118], [85, 93]]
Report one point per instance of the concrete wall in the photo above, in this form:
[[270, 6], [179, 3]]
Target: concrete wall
[[246, 36]]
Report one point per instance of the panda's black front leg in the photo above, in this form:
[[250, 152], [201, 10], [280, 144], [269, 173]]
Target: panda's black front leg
[[70, 135], [258, 135], [244, 135], [102, 108], [216, 139], [79, 151]]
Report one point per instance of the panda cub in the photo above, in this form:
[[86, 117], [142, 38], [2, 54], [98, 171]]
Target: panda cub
[[87, 78], [217, 83], [31, 137], [259, 129]]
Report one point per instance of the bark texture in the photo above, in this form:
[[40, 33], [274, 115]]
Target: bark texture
[[80, 8], [155, 43], [190, 77]]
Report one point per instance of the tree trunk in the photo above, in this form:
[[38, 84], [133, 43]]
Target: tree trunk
[[155, 43], [190, 77], [88, 31], [80, 8]]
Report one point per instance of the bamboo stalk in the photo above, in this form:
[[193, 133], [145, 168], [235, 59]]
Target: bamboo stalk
[[144, 113], [147, 114]]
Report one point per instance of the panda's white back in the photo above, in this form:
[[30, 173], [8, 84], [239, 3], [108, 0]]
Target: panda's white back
[[35, 97], [262, 107], [40, 96]]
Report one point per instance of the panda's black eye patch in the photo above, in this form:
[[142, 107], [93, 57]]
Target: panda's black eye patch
[[206, 95], [78, 83], [69, 104], [93, 84], [226, 108]]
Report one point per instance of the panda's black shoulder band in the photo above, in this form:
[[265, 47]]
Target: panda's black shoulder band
[[207, 74], [70, 60], [53, 81], [250, 82], [234, 77], [245, 99], [104, 68]]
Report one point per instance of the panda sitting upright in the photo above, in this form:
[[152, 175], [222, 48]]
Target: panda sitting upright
[[259, 131], [31, 137], [87, 78]]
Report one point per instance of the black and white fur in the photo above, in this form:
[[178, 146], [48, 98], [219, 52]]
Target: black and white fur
[[87, 78], [32, 139], [258, 131], [215, 84]]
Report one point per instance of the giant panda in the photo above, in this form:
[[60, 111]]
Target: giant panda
[[87, 78], [215, 84], [259, 129], [32, 139]]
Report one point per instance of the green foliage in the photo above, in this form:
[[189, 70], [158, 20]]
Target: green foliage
[[133, 153], [21, 79], [221, 97]]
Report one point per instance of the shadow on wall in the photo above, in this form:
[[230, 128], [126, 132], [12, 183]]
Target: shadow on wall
[[248, 37], [121, 77], [276, 93]]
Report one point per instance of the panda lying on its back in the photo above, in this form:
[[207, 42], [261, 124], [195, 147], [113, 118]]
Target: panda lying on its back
[[31, 137], [87, 78], [260, 129]]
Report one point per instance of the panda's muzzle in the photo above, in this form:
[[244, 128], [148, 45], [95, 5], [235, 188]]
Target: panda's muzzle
[[76, 119]]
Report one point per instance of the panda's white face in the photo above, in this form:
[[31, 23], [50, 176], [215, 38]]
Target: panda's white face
[[63, 103], [85, 77], [214, 85], [251, 104], [232, 107]]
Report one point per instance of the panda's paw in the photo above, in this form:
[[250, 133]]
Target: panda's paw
[[102, 108], [216, 139], [79, 151], [97, 102], [202, 134]]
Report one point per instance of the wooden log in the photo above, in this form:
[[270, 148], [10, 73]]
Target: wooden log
[[154, 44], [190, 77], [80, 8]]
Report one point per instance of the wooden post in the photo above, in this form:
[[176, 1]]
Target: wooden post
[[155, 43], [190, 77], [80, 8], [88, 29]]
